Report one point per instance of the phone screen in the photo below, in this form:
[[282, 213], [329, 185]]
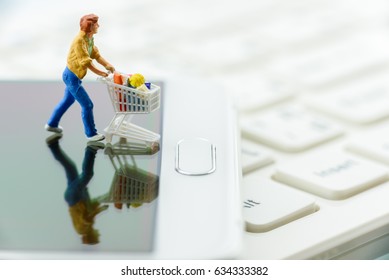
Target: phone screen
[[60, 194]]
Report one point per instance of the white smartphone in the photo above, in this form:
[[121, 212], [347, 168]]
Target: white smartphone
[[65, 199]]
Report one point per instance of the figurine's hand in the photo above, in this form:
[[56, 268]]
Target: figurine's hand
[[110, 68], [103, 74]]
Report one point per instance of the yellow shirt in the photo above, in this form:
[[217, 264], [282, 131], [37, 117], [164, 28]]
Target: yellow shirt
[[78, 57]]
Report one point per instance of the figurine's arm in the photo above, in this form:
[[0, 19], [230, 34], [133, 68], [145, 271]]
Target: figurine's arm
[[106, 64], [96, 55], [97, 71]]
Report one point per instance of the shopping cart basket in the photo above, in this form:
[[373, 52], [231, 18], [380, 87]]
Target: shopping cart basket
[[127, 101]]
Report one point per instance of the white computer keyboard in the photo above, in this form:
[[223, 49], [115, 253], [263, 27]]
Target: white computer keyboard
[[315, 143], [311, 83]]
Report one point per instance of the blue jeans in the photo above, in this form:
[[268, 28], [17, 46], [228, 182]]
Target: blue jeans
[[74, 91]]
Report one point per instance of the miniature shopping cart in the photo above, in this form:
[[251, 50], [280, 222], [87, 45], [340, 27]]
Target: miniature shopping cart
[[126, 102], [131, 185]]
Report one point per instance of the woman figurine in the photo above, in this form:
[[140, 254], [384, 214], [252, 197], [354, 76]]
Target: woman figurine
[[79, 60]]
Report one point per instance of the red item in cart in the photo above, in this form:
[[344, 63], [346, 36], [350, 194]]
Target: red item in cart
[[117, 78]]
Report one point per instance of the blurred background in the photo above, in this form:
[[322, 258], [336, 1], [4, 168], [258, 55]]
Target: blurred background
[[239, 44]]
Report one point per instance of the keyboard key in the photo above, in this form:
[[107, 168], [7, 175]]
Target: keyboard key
[[253, 93], [361, 101], [268, 205], [334, 61], [289, 128], [253, 157], [373, 144], [331, 174], [307, 24]]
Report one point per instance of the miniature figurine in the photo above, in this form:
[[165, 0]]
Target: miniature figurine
[[79, 60]]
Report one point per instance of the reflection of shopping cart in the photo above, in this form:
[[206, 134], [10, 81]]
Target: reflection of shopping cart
[[125, 147], [130, 185], [126, 102]]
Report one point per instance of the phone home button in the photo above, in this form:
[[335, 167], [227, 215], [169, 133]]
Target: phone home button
[[195, 157]]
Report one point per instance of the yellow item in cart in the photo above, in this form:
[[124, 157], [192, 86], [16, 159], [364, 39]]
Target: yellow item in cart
[[136, 80]]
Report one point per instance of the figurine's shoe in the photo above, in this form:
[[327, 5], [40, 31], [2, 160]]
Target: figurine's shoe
[[97, 137], [58, 129]]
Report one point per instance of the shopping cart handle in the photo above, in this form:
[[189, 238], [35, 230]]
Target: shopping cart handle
[[105, 79], [101, 79]]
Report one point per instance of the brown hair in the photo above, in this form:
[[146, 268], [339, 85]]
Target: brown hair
[[87, 21]]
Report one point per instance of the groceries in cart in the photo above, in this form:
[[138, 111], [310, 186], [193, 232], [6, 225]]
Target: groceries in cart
[[135, 81], [131, 93]]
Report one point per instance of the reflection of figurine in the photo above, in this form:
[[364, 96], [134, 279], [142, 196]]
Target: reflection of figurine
[[82, 208], [80, 56]]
